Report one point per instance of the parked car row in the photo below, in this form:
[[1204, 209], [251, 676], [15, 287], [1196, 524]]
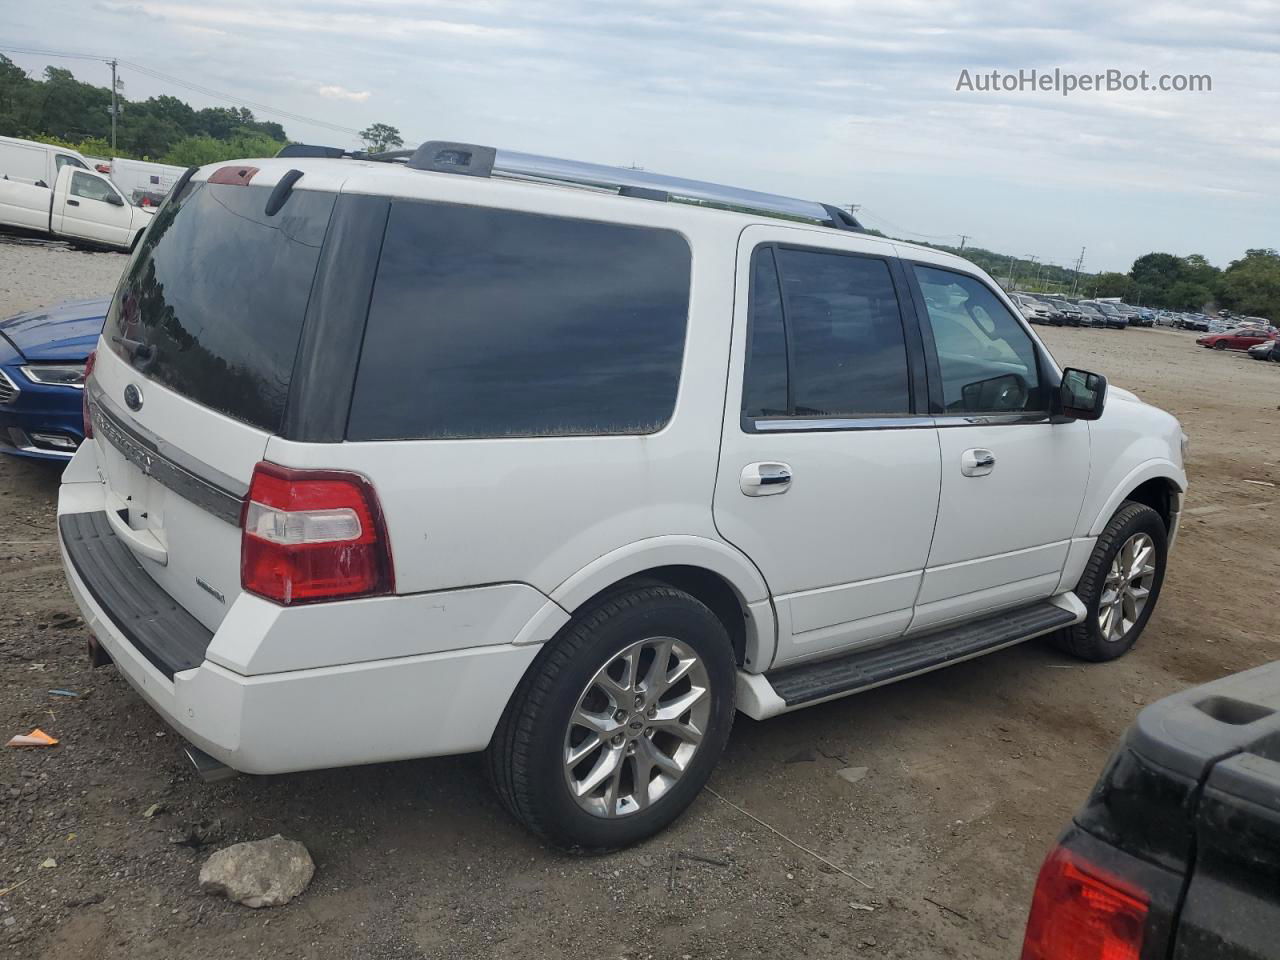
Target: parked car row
[[1081, 312]]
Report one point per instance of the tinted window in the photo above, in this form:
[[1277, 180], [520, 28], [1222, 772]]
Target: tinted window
[[987, 359], [764, 392], [495, 323], [216, 296], [845, 348], [91, 188]]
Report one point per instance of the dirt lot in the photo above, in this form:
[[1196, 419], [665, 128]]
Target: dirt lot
[[970, 773]]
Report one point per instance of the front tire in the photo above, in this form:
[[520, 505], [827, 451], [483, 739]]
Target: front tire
[[1120, 585], [619, 722], [1220, 345]]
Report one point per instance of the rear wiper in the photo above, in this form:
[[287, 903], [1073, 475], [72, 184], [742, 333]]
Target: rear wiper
[[137, 349]]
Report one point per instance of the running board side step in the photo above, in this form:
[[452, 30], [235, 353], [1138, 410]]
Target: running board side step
[[804, 684]]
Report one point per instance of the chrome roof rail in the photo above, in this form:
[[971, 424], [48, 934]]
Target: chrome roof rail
[[469, 159]]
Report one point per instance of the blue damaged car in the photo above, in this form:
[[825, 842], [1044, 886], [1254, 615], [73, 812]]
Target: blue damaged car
[[42, 358]]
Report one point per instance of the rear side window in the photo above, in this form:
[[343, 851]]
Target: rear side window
[[496, 323], [825, 337], [213, 301]]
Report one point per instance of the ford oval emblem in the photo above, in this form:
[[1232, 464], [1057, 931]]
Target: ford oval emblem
[[133, 397]]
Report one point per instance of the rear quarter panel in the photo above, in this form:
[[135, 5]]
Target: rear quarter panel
[[538, 510]]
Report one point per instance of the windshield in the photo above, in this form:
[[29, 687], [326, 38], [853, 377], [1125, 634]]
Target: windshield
[[213, 301]]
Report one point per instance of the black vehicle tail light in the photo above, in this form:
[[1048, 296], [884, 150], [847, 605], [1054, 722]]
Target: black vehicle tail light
[[1080, 912]]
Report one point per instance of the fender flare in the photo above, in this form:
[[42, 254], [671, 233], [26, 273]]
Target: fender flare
[[1155, 469], [729, 563]]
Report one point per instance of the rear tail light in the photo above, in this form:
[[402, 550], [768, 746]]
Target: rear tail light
[[313, 535], [1080, 912], [87, 424]]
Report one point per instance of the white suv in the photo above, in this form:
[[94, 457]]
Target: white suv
[[568, 464]]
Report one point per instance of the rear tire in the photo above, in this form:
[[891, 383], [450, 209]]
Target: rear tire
[[599, 748], [1120, 585]]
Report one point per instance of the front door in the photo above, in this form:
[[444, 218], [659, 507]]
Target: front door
[[829, 469], [90, 214], [1012, 481]]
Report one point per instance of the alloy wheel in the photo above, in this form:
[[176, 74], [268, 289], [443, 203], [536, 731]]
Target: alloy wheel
[[637, 727], [1127, 588]]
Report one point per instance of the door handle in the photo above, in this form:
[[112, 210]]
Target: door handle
[[765, 479], [72, 203], [977, 462]]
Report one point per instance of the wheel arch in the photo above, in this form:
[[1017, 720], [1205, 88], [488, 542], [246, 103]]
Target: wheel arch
[[718, 575], [1156, 483]]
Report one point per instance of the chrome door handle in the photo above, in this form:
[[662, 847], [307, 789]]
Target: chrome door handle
[[977, 462], [765, 479]]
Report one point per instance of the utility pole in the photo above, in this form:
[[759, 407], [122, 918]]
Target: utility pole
[[1009, 274], [115, 109], [963, 238], [1076, 281]]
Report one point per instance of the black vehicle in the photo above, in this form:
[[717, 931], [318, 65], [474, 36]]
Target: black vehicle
[[1091, 316], [1056, 317], [1070, 312], [1176, 854], [1265, 351]]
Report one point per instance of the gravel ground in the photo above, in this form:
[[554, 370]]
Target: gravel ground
[[34, 273], [971, 772]]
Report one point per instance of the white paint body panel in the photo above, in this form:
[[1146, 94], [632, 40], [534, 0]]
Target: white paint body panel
[[46, 210], [496, 542], [844, 548]]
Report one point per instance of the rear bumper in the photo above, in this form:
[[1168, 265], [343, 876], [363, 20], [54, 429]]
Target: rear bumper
[[282, 720]]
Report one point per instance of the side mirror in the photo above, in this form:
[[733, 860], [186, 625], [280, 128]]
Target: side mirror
[[114, 200], [1082, 395]]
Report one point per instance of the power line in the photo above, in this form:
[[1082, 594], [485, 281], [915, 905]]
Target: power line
[[897, 229], [198, 88]]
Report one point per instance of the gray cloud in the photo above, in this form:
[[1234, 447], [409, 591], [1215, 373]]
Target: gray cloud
[[846, 101]]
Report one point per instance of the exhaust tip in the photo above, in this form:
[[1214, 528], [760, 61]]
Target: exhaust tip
[[209, 769]]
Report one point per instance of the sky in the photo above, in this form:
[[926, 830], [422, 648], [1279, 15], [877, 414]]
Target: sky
[[843, 102]]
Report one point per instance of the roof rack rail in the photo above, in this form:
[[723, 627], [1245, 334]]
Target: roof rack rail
[[474, 160]]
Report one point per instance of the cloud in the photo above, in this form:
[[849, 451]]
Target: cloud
[[334, 92], [830, 99]]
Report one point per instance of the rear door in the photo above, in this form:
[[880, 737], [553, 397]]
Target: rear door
[[829, 472], [192, 375], [1012, 481]]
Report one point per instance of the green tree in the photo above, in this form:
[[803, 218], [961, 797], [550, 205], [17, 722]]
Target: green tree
[[1251, 285], [197, 151], [378, 137], [1109, 284]]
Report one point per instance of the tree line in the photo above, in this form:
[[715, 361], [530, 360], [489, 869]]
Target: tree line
[[1250, 285], [58, 108]]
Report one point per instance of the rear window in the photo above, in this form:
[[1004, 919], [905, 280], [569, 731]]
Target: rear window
[[212, 304], [496, 323]]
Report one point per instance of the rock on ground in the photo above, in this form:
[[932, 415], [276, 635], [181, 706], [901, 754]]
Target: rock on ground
[[259, 873]]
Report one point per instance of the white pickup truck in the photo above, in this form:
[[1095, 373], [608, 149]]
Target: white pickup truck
[[81, 205]]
